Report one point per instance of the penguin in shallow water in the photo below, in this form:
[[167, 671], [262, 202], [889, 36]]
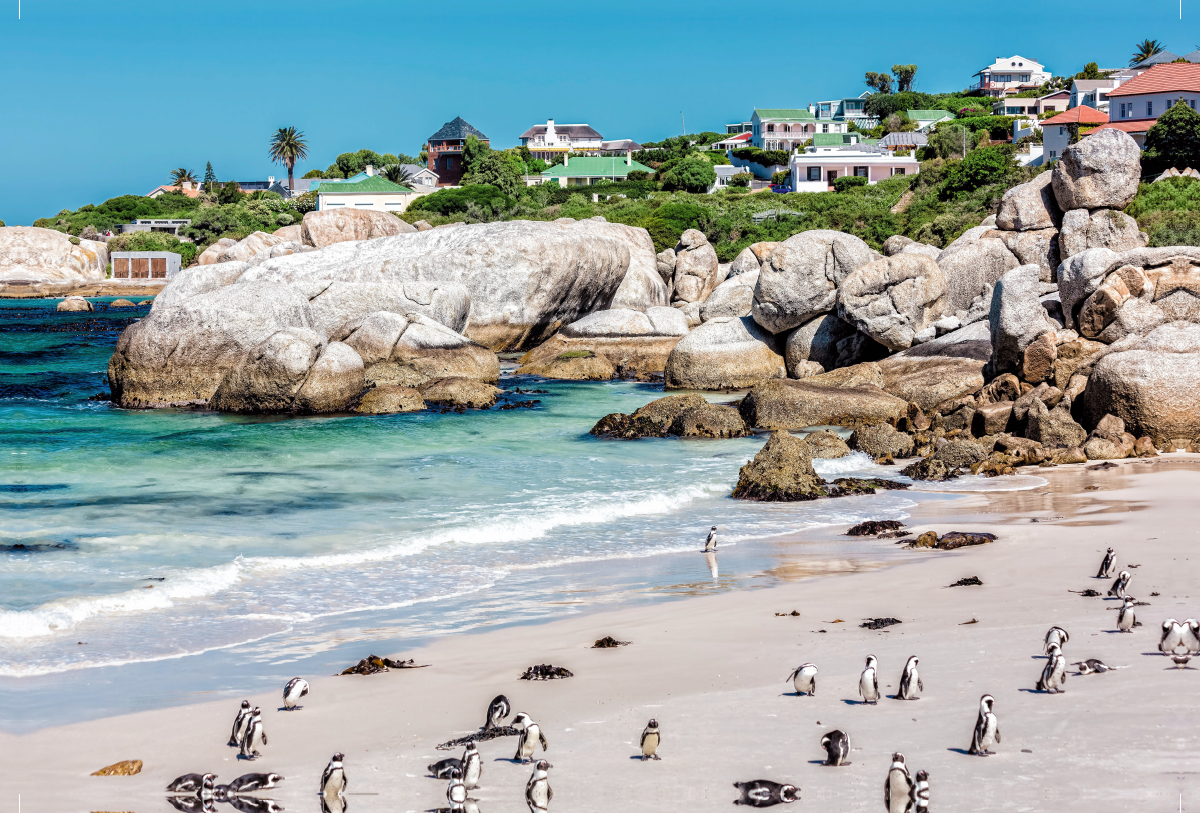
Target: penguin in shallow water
[[189, 782], [251, 782], [1055, 636], [710, 544], [910, 681], [897, 788], [472, 766], [293, 691], [1120, 585], [837, 747], [239, 724], [538, 792], [255, 736], [251, 804], [921, 792], [498, 709], [1106, 567], [804, 678], [192, 804], [868, 681], [456, 792], [765, 793], [650, 740], [531, 735], [1126, 618], [446, 768], [1054, 675], [333, 780], [987, 728]]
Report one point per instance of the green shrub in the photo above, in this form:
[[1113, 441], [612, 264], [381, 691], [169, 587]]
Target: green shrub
[[1173, 141], [1172, 228], [1169, 195], [847, 182], [687, 175], [671, 220], [765, 158], [781, 177], [999, 127], [576, 354], [981, 167], [741, 180], [452, 201], [639, 175]]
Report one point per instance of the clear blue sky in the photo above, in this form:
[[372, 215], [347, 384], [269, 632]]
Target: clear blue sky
[[104, 99]]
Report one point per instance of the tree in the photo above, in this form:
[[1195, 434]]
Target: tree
[[498, 168], [287, 146], [181, 176], [473, 150], [899, 122], [398, 174], [230, 193], [1174, 140], [952, 140], [1090, 71], [1144, 50], [688, 175], [210, 177], [423, 156], [981, 167], [904, 77], [882, 82], [313, 173]]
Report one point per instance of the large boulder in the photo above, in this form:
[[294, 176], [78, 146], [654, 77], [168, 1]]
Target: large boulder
[[1101, 171], [321, 229], [800, 278], [971, 264], [894, 300], [881, 440], [279, 250], [1103, 228], [390, 399], [650, 421], [830, 342], [460, 392], [1078, 278], [751, 258], [733, 297], [1016, 319], [696, 267], [74, 304], [335, 303], [334, 382], [708, 421], [198, 279], [33, 255], [245, 249], [929, 380], [1053, 428], [789, 404], [1038, 247], [214, 252], [290, 234], [782, 471], [642, 287], [724, 353], [635, 341], [1030, 206], [412, 350], [268, 377]]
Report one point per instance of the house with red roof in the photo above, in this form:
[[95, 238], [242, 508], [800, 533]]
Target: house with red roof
[[1056, 131], [1135, 106]]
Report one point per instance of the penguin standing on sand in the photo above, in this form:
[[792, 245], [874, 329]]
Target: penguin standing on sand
[[987, 728], [456, 792], [1191, 635], [538, 792], [805, 679], [1126, 618], [1120, 585], [837, 747], [710, 544], [765, 793], [239, 724], [650, 740], [531, 735], [897, 788], [498, 709], [255, 735], [293, 691], [472, 766], [333, 780], [910, 681], [1055, 636], [1106, 567], [921, 793], [1054, 675], [868, 681], [1172, 636]]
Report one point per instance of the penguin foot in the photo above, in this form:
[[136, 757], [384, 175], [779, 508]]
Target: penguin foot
[[657, 757]]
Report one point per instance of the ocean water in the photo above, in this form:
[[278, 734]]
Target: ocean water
[[149, 556]]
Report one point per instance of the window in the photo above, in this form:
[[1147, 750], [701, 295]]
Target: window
[[364, 205], [1053, 153], [862, 172], [897, 170], [770, 128], [1149, 109], [814, 173], [1062, 130], [824, 128], [335, 204]]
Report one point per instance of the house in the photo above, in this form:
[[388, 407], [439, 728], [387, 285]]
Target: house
[[145, 265], [1056, 131], [549, 140], [1137, 104], [1052, 102], [269, 185], [446, 149], [166, 225], [373, 192], [619, 147], [1094, 92], [192, 190], [815, 169], [588, 170], [724, 174], [740, 127], [926, 119], [849, 109], [1164, 58], [1009, 75], [903, 141], [786, 129], [733, 142]]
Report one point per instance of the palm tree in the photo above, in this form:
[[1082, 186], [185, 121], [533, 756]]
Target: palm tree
[[181, 176], [1144, 50], [399, 174], [288, 146]]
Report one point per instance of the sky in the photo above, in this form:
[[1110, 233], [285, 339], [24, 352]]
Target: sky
[[105, 99]]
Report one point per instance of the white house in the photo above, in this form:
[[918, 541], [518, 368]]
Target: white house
[[1136, 105], [1008, 75], [1056, 131], [724, 174], [1094, 92], [372, 192], [548, 140], [785, 129], [815, 169]]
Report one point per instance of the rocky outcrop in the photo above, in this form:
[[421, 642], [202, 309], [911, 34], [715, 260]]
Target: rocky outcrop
[[1053, 428], [337, 302], [800, 278], [1030, 206], [324, 228], [696, 267], [724, 353], [74, 304], [1016, 319], [35, 255], [782, 471], [247, 248], [279, 250], [826, 445], [198, 279], [460, 392], [1079, 277], [390, 399], [642, 286], [751, 258], [573, 365], [708, 421], [971, 264], [413, 350], [269, 377], [733, 297], [334, 382], [881, 440], [894, 300], [650, 421], [929, 380], [830, 342], [789, 404], [213, 253], [631, 340], [290, 234], [1101, 171], [1102, 228], [1038, 247]]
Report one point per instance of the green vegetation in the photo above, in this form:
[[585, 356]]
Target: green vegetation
[[1168, 211], [764, 158], [459, 201], [154, 241], [576, 354], [1144, 50], [687, 175], [115, 211], [288, 146], [884, 105], [181, 176], [847, 182], [1174, 141]]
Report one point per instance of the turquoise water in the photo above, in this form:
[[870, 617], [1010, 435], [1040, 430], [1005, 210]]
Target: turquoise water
[[150, 555]]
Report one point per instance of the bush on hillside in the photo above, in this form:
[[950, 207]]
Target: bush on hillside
[[115, 211], [764, 158], [687, 175], [1169, 195], [741, 180], [847, 182], [639, 175], [781, 177], [999, 127], [452, 201], [981, 167], [671, 220]]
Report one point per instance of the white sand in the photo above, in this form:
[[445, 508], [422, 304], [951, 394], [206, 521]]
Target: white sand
[[712, 670]]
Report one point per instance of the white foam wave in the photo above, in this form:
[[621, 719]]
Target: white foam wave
[[830, 468]]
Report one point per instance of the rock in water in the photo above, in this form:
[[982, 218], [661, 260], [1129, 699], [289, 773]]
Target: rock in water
[[724, 353], [781, 472], [268, 377], [412, 350], [788, 404], [331, 226], [826, 445], [651, 421], [389, 399], [1101, 171], [929, 468], [460, 392], [75, 304], [874, 526], [708, 421], [881, 440]]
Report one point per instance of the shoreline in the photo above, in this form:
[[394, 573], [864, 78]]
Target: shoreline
[[109, 287], [713, 672]]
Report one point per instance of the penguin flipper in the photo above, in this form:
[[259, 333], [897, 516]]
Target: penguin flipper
[[812, 687], [920, 684], [549, 792], [542, 739]]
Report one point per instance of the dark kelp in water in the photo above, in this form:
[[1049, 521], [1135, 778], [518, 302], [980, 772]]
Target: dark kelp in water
[[545, 671]]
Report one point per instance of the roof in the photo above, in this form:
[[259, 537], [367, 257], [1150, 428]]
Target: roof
[[1182, 76], [572, 130], [457, 130], [621, 144], [725, 169], [1053, 93], [598, 166], [929, 114], [1157, 59], [368, 186], [191, 193], [1017, 58], [1078, 115], [1093, 84], [415, 169], [784, 114], [1134, 126], [904, 140]]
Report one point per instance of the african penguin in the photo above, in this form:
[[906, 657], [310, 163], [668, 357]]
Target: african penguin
[[837, 747], [1126, 617], [472, 766], [208, 787], [765, 793], [248, 783], [1172, 636], [1055, 636], [1054, 675], [334, 804], [921, 792], [333, 780], [293, 691], [1120, 585], [650, 739], [1093, 665], [239, 724], [531, 735], [897, 788], [192, 804], [1106, 567], [498, 709], [987, 728], [255, 735], [868, 681], [456, 792], [249, 804], [189, 782], [805, 679], [445, 768], [910, 681], [710, 544], [537, 790]]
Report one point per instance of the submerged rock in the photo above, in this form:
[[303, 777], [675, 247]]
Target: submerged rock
[[460, 392]]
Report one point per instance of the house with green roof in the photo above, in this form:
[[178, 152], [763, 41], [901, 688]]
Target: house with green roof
[[788, 128], [372, 192], [591, 169], [926, 119], [841, 139]]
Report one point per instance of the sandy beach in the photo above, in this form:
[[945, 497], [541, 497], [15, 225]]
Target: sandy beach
[[712, 670]]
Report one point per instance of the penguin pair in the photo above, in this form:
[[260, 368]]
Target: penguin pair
[[765, 793], [469, 769], [254, 736]]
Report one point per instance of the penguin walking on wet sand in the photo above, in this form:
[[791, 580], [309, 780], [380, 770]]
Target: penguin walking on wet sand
[[921, 792], [239, 724], [1120, 585], [987, 728], [498, 709], [1054, 675], [293, 691], [897, 788], [710, 544], [765, 793], [910, 681], [1055, 636], [255, 735], [538, 792], [804, 678], [1106, 567], [868, 681], [531, 735], [250, 782], [650, 740], [456, 792], [837, 747], [472, 766], [190, 782], [1126, 618], [333, 780]]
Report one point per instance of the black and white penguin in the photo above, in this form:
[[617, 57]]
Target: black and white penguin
[[250, 782], [538, 792], [910, 681], [837, 747], [921, 792], [498, 709], [456, 792], [293, 691], [239, 724], [334, 804], [1106, 567], [897, 787], [1094, 666], [472, 766], [710, 544], [765, 793], [805, 679], [445, 768], [1126, 617], [208, 788], [987, 728], [1191, 635], [1120, 585], [192, 804], [868, 681], [1172, 636], [531, 735], [190, 782], [1055, 636], [255, 736], [650, 740], [1054, 675], [250, 804], [333, 780]]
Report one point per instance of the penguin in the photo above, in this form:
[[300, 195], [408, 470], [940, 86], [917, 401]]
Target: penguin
[[498, 709], [221, 793], [1120, 585], [538, 792], [1054, 675], [531, 735], [456, 792], [1106, 567], [765, 793], [446, 768], [1126, 618], [805, 679], [710, 544], [250, 804], [910, 681], [192, 804], [1093, 665], [189, 782], [921, 792], [248, 783], [239, 724], [1056, 636], [293, 691], [472, 768], [868, 682], [255, 735], [333, 780], [1172, 636], [650, 740], [837, 748], [334, 804], [987, 728], [1191, 635], [208, 787], [897, 788]]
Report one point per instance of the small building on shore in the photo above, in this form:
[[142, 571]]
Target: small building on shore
[[145, 265], [372, 192], [167, 225]]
